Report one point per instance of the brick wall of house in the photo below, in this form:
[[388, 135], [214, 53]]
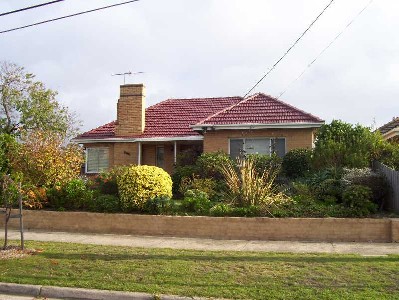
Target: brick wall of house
[[125, 153], [149, 154], [295, 138], [130, 110]]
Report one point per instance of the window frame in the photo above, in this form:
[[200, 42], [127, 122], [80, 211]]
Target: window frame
[[86, 160], [258, 138]]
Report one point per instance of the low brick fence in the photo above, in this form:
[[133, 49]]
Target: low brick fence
[[287, 229]]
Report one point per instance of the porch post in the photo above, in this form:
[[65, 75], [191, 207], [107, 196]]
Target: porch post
[[139, 154], [175, 152]]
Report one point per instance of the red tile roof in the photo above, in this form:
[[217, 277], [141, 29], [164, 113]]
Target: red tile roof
[[173, 117], [260, 109], [170, 118]]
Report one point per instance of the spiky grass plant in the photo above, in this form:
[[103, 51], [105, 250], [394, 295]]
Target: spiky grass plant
[[247, 187]]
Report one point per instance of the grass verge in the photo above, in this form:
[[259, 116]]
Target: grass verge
[[236, 275]]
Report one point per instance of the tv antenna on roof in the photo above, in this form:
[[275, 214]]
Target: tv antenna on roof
[[126, 73]]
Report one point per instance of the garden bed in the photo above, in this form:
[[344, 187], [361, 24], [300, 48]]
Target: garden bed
[[290, 229]]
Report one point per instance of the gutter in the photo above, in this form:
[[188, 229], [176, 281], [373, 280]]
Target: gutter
[[133, 140]]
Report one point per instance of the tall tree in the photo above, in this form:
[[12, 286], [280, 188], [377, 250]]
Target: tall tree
[[26, 104]]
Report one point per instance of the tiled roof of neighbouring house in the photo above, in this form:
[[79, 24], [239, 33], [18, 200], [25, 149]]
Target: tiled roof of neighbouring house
[[173, 117], [389, 126]]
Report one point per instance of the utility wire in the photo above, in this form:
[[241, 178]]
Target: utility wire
[[29, 7], [328, 46], [68, 16], [289, 49]]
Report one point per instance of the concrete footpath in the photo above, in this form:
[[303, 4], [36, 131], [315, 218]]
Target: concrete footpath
[[46, 292], [211, 245]]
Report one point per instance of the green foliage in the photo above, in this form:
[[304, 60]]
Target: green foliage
[[389, 155], [359, 197], [329, 190], [8, 144], [297, 162], [302, 206], [106, 203], [196, 201], [74, 195], [265, 163], [138, 184], [27, 105], [179, 174], [160, 205], [220, 210], [341, 144], [366, 177], [206, 185], [210, 164], [106, 182], [247, 187]]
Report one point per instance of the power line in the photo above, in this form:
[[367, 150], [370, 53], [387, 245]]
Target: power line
[[29, 7], [322, 51], [289, 49], [68, 16]]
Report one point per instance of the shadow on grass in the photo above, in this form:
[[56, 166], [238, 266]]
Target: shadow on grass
[[283, 258]]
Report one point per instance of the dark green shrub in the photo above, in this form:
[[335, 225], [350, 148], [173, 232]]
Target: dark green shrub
[[359, 198], [220, 210], [209, 164], [297, 162], [159, 205], [179, 174], [106, 182], [366, 177], [225, 210], [341, 144], [206, 185], [195, 201], [329, 190], [106, 203], [75, 195], [266, 163]]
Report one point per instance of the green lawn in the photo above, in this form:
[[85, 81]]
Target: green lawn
[[238, 275]]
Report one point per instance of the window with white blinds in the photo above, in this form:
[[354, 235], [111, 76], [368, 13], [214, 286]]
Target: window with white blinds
[[242, 147], [97, 160]]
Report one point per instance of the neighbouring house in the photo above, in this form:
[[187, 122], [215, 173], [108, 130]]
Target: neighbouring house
[[390, 131], [156, 135]]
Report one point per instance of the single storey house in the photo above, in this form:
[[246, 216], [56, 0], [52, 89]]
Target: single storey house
[[390, 131], [156, 135]]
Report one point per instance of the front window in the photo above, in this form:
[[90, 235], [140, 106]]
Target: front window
[[97, 160], [242, 147]]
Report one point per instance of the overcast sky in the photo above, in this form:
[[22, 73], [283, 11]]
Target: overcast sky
[[210, 48]]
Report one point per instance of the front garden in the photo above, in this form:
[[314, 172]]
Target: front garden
[[332, 180]]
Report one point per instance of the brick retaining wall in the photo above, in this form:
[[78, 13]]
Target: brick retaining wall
[[290, 229]]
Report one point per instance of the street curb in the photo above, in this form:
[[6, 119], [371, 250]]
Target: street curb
[[79, 293], [20, 289]]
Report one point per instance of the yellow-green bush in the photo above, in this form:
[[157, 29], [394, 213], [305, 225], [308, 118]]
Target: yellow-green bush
[[138, 184]]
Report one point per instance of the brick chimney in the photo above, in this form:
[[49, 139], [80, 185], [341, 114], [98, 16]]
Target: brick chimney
[[131, 110]]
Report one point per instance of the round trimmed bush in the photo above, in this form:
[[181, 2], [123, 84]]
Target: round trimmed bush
[[138, 184]]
